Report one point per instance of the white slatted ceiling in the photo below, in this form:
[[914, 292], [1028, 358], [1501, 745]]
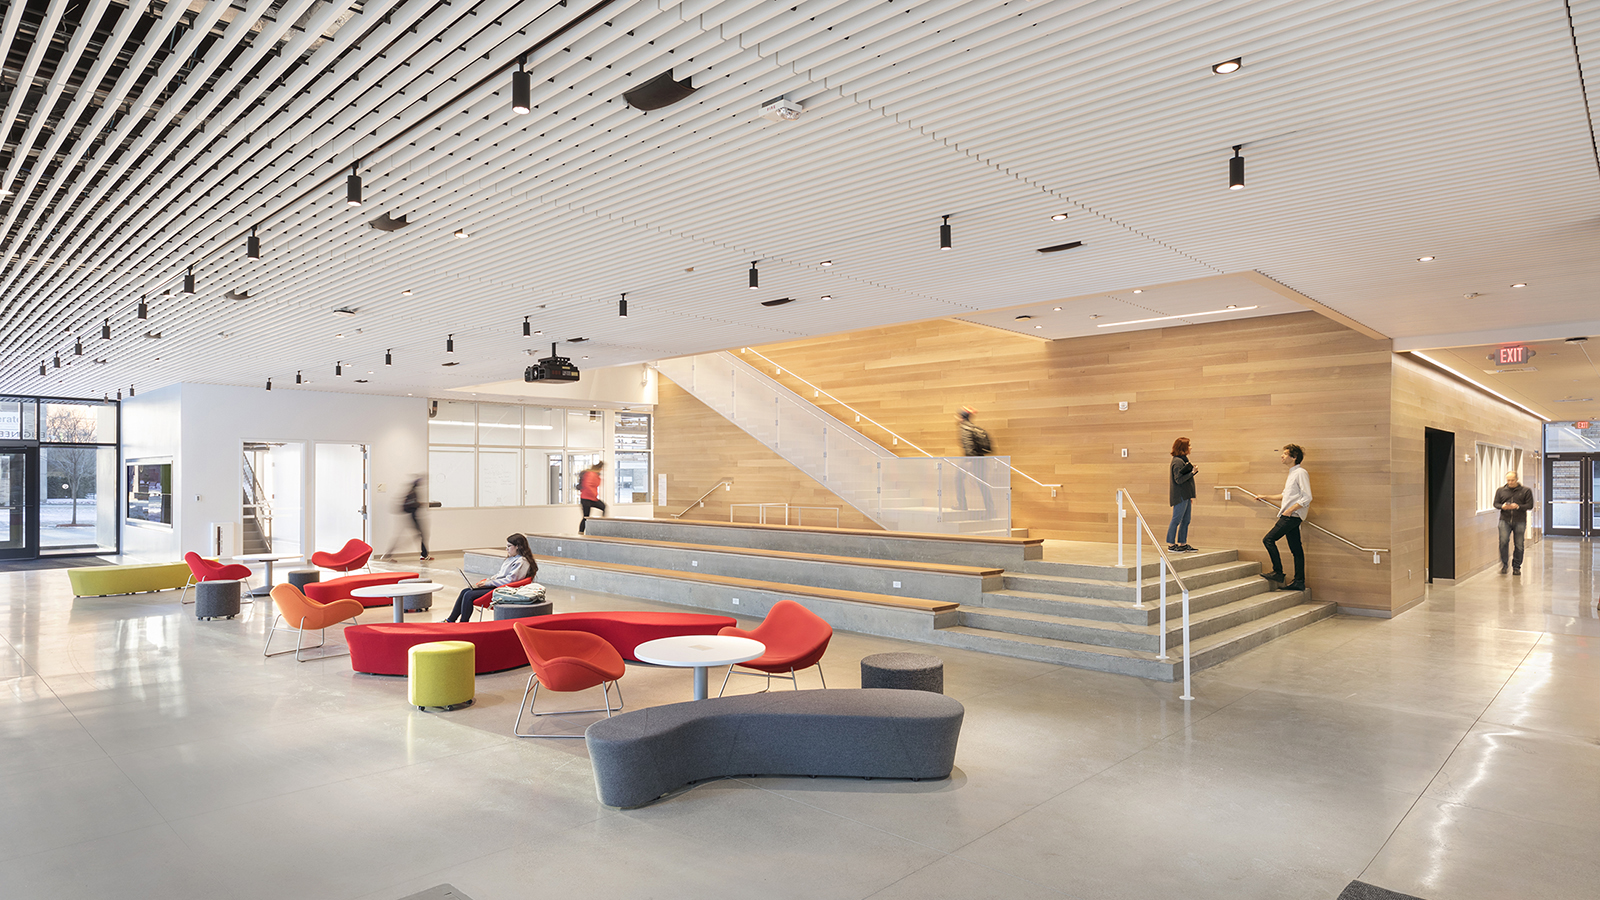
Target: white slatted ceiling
[[1370, 126]]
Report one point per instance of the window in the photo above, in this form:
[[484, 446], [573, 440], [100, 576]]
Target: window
[[544, 427], [632, 441], [506, 455], [586, 428], [1493, 464]]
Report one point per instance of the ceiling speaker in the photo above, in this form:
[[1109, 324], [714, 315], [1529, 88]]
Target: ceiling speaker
[[658, 92]]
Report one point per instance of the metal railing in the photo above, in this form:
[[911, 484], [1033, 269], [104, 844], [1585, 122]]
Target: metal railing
[[700, 500], [898, 439], [1138, 582], [1227, 494], [800, 518]]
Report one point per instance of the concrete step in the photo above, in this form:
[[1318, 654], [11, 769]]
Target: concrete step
[[1149, 588], [1132, 636], [1183, 562], [1205, 652], [1123, 610]]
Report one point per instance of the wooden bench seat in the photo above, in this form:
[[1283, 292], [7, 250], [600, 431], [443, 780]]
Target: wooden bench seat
[[859, 532], [897, 564], [793, 590]]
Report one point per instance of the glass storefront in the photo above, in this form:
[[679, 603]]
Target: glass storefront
[[59, 484]]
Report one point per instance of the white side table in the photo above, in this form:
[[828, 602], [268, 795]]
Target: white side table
[[399, 592], [700, 651], [268, 559]]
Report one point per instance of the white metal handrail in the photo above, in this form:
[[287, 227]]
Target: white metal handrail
[[800, 518], [1138, 583], [699, 501], [1227, 494], [861, 415]]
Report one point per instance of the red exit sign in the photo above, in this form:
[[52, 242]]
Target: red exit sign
[[1581, 426], [1512, 355]]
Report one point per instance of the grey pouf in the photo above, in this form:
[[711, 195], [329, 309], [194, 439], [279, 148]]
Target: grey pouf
[[522, 610], [216, 599], [903, 671], [302, 577], [638, 756], [418, 602]]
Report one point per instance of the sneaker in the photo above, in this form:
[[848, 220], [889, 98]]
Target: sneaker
[[1188, 549], [1175, 548], [1274, 577], [1502, 568], [1516, 571], [1295, 586]]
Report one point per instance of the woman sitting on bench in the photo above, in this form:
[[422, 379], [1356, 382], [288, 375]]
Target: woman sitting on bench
[[519, 564]]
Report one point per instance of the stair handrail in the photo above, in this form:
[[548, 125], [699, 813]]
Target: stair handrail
[[892, 433], [702, 497], [1227, 494], [1138, 583]]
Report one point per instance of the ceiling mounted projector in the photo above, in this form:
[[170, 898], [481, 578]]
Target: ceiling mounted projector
[[781, 110], [552, 368]]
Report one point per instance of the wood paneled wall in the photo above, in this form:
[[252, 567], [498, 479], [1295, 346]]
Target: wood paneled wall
[[1426, 398], [1239, 390]]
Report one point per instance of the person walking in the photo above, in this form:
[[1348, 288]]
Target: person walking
[[1180, 494], [412, 506], [974, 442], [1292, 506], [1514, 500], [589, 493], [519, 564]]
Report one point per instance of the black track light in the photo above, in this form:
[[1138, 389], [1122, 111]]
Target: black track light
[[130, 391], [1236, 169], [388, 357], [269, 384], [252, 245], [338, 368], [41, 368], [944, 234], [77, 346], [527, 328], [188, 281], [622, 306], [119, 395], [352, 187], [297, 376], [144, 309], [105, 331], [521, 93], [755, 277], [58, 360], [450, 343]]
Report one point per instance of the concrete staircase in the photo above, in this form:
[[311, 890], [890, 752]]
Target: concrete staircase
[[1074, 606]]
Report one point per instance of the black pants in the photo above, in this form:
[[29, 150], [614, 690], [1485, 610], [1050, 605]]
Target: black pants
[[588, 505], [1286, 527], [464, 603], [416, 521]]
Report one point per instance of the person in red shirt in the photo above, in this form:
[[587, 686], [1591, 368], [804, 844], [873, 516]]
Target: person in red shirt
[[589, 493]]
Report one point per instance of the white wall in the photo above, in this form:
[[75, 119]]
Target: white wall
[[474, 529], [203, 428]]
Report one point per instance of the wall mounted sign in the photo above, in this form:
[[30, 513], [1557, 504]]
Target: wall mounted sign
[[1512, 355], [1581, 426]]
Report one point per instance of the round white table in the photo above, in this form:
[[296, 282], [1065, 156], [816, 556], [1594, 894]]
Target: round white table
[[700, 651], [399, 592], [268, 559]]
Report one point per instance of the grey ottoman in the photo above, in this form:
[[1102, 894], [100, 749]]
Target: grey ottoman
[[418, 602], [903, 671], [216, 599], [302, 577], [522, 610]]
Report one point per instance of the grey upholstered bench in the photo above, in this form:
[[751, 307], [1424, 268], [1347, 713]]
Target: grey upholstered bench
[[875, 733]]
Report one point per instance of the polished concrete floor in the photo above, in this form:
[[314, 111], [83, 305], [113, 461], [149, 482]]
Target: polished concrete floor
[[1452, 753]]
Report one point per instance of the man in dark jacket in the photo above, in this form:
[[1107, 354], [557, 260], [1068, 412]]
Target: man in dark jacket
[[1514, 500], [974, 442]]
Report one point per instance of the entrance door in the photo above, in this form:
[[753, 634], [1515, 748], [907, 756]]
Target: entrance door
[[19, 523], [1441, 511], [341, 495], [1571, 486]]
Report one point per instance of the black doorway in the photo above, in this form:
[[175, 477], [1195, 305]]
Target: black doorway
[[1440, 517]]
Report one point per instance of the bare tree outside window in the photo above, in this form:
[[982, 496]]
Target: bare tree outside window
[[70, 471]]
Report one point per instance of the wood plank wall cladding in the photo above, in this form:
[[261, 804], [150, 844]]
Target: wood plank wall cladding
[[1427, 398], [696, 447], [1239, 390]]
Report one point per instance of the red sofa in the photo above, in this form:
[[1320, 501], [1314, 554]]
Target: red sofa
[[340, 588], [381, 649]]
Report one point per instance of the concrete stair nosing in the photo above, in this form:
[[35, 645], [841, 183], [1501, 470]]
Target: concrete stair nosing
[[1122, 609], [1149, 588], [1131, 636], [1182, 562]]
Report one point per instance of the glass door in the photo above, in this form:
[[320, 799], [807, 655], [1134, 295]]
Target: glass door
[[1571, 482], [19, 524]]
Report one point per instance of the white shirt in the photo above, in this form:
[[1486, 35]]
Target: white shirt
[[515, 568], [1296, 489]]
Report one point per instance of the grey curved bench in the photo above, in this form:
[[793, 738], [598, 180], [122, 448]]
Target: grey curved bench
[[873, 733]]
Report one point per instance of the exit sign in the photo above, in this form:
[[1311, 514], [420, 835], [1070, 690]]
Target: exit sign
[[1581, 426], [1512, 355]]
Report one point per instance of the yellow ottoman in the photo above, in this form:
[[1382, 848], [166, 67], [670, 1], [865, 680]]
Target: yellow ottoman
[[440, 674]]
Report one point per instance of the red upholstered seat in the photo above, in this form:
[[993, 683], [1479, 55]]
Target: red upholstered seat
[[353, 555], [569, 660], [487, 600], [381, 649], [340, 588], [795, 638], [207, 570]]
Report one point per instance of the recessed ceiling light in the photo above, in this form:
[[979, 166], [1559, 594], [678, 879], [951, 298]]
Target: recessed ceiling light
[[826, 262], [1058, 217], [586, 357], [1023, 318], [1057, 309], [340, 335], [1520, 284], [1229, 66], [826, 297], [406, 293], [1233, 306], [1094, 315], [1038, 326], [461, 233], [1138, 290], [1424, 259]]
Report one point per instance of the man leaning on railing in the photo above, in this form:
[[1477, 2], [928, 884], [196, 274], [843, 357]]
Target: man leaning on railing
[[1293, 503]]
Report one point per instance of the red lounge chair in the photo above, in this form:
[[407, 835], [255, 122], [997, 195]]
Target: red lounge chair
[[795, 638], [353, 555], [302, 614], [567, 661], [202, 569]]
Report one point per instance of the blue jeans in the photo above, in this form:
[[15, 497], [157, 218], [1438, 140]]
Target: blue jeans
[[1178, 529], [1512, 534]]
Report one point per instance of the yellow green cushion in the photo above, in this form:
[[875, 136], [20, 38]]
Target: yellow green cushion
[[100, 581], [440, 673]]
